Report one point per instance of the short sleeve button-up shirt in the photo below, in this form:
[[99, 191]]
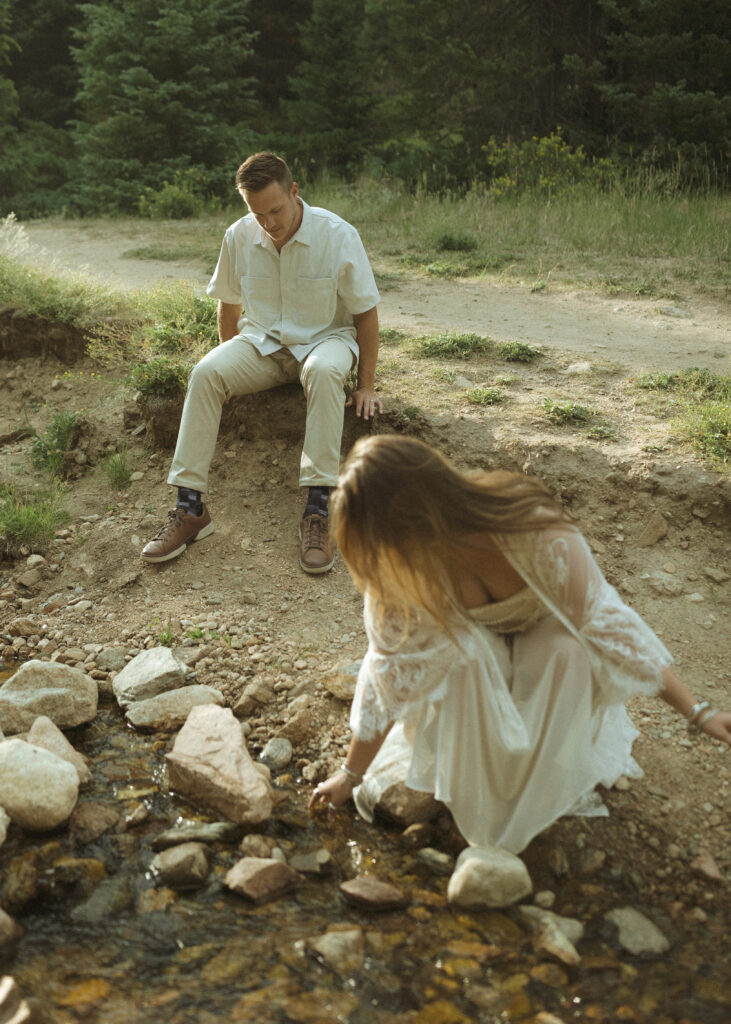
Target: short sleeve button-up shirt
[[302, 295]]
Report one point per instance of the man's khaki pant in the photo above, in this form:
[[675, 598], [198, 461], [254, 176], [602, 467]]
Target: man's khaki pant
[[237, 368]]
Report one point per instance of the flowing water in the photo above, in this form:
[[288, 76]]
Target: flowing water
[[102, 943]]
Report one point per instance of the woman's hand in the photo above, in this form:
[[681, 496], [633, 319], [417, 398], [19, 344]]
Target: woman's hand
[[333, 791], [719, 727]]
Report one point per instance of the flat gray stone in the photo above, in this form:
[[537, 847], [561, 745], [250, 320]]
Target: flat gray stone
[[148, 674], [168, 711], [373, 894], [277, 753], [182, 867], [112, 659], [66, 695], [636, 933], [259, 879]]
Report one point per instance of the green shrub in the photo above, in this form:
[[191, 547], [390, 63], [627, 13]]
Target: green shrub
[[161, 375], [547, 166], [174, 200], [49, 451], [518, 352], [485, 396], [192, 325], [459, 241], [453, 345], [29, 522], [562, 413], [116, 468]]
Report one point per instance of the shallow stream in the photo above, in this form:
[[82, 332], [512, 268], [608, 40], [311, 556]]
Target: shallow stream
[[102, 943]]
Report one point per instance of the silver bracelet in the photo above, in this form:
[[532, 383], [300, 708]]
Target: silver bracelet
[[353, 777], [698, 708], [706, 717]]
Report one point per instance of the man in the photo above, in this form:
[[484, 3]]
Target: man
[[296, 301]]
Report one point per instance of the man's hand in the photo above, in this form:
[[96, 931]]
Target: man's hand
[[366, 402]]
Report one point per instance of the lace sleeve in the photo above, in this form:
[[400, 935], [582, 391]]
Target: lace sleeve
[[628, 657], [402, 666]]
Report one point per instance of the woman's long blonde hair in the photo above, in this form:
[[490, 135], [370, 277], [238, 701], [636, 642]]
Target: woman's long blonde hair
[[403, 515]]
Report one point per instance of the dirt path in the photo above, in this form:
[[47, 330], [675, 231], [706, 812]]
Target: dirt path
[[638, 333]]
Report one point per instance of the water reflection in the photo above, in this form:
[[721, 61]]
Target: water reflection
[[102, 943]]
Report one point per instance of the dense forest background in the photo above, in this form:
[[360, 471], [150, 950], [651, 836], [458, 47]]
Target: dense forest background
[[111, 106]]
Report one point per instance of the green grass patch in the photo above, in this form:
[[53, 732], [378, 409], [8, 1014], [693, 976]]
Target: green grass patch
[[518, 352], [453, 345], [701, 401], [485, 396], [48, 452], [602, 432], [691, 381], [29, 522], [163, 253], [566, 413], [392, 336], [456, 266], [116, 469], [706, 426]]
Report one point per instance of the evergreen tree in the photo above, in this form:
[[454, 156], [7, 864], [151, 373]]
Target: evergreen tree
[[277, 52], [447, 77], [329, 99], [8, 94], [37, 148], [663, 77], [164, 91]]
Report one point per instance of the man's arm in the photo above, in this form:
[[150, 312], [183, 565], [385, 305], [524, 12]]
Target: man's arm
[[364, 398], [228, 318]]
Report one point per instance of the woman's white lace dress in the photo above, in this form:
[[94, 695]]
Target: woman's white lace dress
[[514, 721]]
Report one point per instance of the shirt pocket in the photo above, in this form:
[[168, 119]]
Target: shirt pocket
[[262, 300], [315, 302]]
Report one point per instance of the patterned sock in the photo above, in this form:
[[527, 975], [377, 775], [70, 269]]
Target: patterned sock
[[190, 501], [317, 500]]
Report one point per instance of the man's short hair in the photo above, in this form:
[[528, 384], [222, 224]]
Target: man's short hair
[[261, 170]]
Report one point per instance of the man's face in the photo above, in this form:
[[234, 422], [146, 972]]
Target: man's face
[[276, 210]]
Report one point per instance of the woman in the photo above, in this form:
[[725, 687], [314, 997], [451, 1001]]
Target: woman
[[499, 657]]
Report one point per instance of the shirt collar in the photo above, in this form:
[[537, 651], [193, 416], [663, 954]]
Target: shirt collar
[[303, 233]]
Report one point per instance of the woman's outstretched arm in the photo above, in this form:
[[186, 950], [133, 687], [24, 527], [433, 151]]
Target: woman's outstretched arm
[[339, 787], [678, 696]]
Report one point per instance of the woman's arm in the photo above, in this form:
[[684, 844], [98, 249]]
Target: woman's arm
[[339, 787], [678, 696]]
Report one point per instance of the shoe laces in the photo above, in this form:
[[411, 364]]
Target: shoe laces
[[175, 517], [315, 531]]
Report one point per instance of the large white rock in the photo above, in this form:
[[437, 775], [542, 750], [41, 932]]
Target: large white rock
[[211, 766], [488, 878], [150, 673], [66, 695], [168, 711], [43, 733], [38, 789]]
